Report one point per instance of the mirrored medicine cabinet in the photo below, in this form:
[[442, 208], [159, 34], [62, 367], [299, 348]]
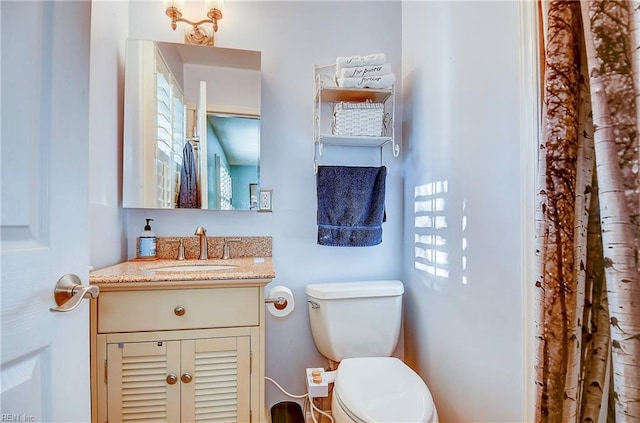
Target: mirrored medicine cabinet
[[191, 127]]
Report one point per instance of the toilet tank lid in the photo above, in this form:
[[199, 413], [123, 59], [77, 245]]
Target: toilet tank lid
[[363, 289]]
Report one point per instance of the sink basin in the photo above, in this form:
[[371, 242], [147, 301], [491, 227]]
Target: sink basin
[[194, 268]]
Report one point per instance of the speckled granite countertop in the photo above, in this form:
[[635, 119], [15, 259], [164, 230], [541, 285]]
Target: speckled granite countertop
[[149, 272]]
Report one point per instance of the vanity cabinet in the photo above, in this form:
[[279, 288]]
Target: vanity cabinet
[[201, 377], [179, 351], [327, 95]]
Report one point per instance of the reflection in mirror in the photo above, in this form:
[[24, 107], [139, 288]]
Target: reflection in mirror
[[232, 165], [191, 127]]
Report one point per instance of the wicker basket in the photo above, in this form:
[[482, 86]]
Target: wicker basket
[[358, 119]]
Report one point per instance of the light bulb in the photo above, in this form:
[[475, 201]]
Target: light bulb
[[214, 4], [178, 4]]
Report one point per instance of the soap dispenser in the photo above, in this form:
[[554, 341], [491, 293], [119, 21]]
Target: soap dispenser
[[147, 242]]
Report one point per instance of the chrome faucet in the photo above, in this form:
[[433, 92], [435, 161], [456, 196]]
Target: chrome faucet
[[204, 247], [226, 250]]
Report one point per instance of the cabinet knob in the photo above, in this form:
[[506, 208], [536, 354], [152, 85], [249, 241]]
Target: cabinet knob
[[172, 379], [186, 377], [179, 311]]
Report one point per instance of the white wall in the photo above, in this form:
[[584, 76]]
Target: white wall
[[292, 37], [461, 110], [109, 28]]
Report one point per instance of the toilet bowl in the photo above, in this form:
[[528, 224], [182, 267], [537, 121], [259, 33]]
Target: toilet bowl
[[357, 325], [380, 389]]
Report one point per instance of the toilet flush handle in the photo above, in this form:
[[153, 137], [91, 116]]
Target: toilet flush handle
[[314, 305]]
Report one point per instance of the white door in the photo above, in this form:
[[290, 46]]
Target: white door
[[201, 119], [44, 221]]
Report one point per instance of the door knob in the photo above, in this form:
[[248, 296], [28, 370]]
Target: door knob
[[69, 291], [186, 377], [172, 379]]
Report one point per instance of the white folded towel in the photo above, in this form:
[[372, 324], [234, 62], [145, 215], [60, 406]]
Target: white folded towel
[[353, 61], [364, 71], [376, 81]]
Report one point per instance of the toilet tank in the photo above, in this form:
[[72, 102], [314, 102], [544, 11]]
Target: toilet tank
[[355, 319]]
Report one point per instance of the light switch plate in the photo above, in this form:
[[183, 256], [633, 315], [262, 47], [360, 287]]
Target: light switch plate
[[266, 200]]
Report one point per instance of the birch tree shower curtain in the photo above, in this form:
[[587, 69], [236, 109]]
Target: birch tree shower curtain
[[587, 217]]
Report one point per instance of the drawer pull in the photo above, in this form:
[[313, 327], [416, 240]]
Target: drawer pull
[[186, 377], [179, 311], [172, 379]]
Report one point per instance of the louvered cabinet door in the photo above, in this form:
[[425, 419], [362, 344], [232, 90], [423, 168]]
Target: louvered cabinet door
[[218, 386], [140, 385]]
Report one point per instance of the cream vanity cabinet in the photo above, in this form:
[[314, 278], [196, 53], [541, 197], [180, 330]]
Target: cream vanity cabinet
[[179, 351]]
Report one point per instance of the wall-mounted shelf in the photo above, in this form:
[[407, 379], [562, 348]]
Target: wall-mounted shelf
[[354, 141], [326, 95]]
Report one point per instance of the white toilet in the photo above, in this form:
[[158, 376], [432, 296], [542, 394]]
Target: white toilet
[[358, 324]]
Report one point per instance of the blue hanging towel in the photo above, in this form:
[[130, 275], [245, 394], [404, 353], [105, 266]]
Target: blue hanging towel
[[189, 195], [350, 205]]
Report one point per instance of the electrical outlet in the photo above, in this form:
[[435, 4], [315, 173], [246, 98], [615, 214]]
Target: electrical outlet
[[266, 200]]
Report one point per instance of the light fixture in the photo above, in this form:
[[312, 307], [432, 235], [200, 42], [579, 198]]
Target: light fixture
[[198, 33]]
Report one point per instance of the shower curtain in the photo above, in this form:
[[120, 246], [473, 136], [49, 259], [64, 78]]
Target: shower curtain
[[587, 217]]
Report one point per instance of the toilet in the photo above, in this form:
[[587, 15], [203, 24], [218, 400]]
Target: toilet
[[357, 325]]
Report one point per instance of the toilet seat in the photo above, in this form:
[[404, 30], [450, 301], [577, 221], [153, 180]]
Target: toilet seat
[[382, 389]]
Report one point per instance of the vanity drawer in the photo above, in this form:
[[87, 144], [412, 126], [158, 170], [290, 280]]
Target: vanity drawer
[[169, 309]]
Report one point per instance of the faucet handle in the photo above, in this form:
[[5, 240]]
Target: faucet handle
[[181, 255], [226, 251]]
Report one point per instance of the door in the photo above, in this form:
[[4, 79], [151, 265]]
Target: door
[[189, 380], [44, 213], [216, 379], [143, 381]]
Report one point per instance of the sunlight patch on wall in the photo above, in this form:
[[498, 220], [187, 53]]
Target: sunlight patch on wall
[[430, 243]]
